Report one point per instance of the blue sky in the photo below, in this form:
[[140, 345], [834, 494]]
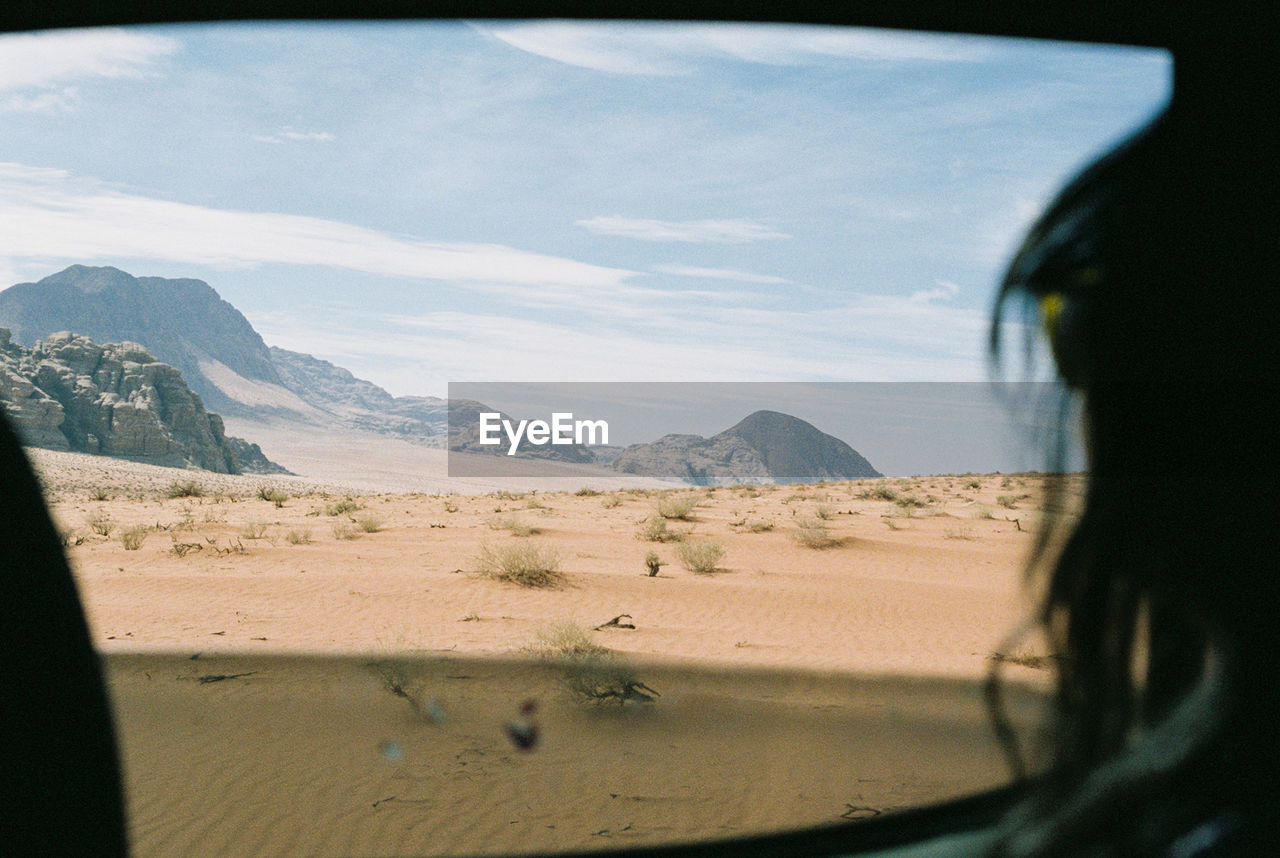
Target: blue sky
[[562, 201]]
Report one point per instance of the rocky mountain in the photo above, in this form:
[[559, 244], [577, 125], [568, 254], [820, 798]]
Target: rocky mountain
[[69, 393], [182, 322], [765, 447], [186, 324]]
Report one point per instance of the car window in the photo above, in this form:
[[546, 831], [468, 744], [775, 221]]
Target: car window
[[484, 438]]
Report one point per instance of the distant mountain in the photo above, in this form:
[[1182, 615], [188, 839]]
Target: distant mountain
[[70, 393], [182, 322], [187, 325], [765, 447]]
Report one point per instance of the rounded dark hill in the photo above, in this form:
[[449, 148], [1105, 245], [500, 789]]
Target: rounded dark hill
[[181, 321], [794, 451]]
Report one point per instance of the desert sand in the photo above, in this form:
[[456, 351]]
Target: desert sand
[[328, 670]]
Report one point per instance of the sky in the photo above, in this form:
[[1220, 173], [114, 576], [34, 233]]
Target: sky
[[442, 202]]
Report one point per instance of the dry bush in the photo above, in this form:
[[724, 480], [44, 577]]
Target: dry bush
[[655, 529], [340, 507], [700, 557], [677, 507], [369, 524], [960, 531], [298, 537], [254, 529], [184, 489], [586, 492], [878, 493], [758, 526], [589, 672], [534, 503], [611, 501], [512, 524], [272, 493], [824, 512], [133, 537], [813, 533], [345, 530], [1008, 501], [100, 522], [521, 563], [983, 512]]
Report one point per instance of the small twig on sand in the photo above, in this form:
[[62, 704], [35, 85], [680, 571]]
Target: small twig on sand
[[616, 623], [218, 677]]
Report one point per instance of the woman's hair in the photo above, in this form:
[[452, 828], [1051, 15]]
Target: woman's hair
[[1155, 276]]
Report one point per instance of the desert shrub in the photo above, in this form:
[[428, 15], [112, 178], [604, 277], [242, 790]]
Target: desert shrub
[[960, 531], [184, 489], [522, 563], [369, 524], [298, 537], [700, 557], [879, 493], [653, 563], [676, 507], [973, 484], [133, 537], [254, 529], [758, 526], [341, 507], [503, 494], [1008, 501], [813, 533], [273, 493], [655, 529], [345, 530], [983, 512], [99, 494], [534, 503], [100, 522], [513, 524], [909, 502], [450, 506], [611, 501], [824, 512], [589, 672], [586, 492]]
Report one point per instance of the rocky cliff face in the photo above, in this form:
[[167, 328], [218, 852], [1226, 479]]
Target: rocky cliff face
[[765, 447], [69, 393], [182, 322]]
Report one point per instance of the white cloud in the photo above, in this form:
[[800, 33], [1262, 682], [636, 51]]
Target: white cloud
[[944, 290], [671, 49], [694, 231], [36, 68], [47, 213], [718, 274], [288, 135]]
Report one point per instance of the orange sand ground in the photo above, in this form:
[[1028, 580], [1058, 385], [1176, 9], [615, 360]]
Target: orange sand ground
[[380, 669]]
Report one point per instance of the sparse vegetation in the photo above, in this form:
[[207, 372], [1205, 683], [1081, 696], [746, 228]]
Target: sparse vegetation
[[700, 557], [345, 530], [184, 489], [589, 672], [677, 507], [513, 524], [133, 537], [960, 531], [522, 562], [100, 522], [1008, 501], [757, 526], [274, 494], [586, 492], [824, 512], [653, 563], [99, 494], [813, 533], [369, 524], [655, 529], [298, 537], [254, 529], [341, 507], [611, 501]]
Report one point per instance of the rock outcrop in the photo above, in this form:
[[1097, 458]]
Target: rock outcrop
[[765, 447], [70, 393]]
